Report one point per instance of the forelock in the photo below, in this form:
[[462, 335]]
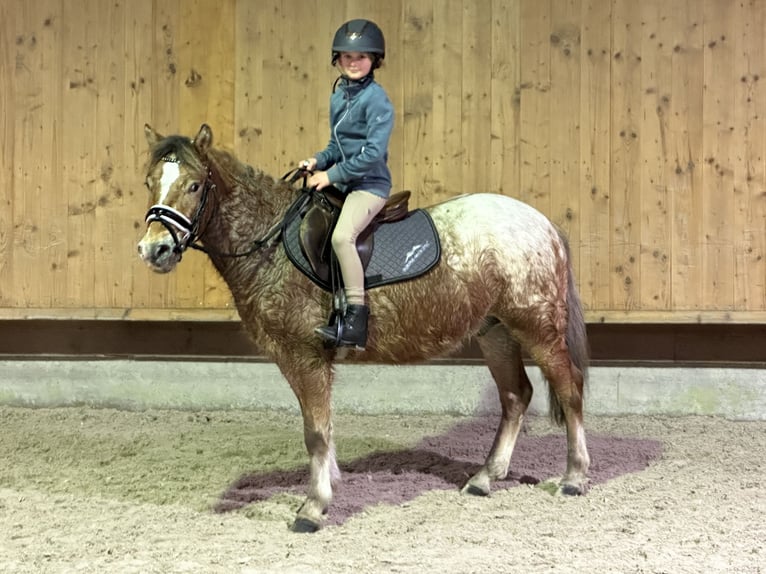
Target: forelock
[[175, 148]]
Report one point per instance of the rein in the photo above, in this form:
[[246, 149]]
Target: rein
[[175, 221]]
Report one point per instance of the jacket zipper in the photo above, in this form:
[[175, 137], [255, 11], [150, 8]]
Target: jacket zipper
[[335, 128]]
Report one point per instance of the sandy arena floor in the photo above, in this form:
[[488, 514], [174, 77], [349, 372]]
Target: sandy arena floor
[[103, 491]]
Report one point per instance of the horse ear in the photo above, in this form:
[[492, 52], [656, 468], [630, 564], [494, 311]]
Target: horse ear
[[151, 136], [203, 139]]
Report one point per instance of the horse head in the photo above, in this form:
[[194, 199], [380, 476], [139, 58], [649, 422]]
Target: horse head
[[179, 182]]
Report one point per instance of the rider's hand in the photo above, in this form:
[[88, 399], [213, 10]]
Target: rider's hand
[[308, 164], [318, 180]]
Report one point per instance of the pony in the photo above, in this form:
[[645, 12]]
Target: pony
[[505, 278]]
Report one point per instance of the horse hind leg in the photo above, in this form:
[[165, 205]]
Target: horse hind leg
[[566, 385], [503, 356]]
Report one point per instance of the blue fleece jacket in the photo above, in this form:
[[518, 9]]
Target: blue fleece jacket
[[361, 120]]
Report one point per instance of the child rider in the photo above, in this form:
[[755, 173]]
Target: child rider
[[355, 162]]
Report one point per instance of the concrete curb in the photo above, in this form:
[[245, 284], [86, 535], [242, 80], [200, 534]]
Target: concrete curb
[[734, 393]]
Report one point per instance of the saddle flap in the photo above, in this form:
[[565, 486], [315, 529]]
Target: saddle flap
[[316, 230]]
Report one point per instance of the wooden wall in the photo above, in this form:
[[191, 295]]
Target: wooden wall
[[639, 127]]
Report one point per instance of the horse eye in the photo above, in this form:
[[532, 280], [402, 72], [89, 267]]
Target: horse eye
[[194, 187]]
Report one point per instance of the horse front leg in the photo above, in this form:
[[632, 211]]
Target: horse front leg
[[311, 382]]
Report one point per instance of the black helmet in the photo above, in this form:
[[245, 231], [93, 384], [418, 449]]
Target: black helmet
[[359, 36]]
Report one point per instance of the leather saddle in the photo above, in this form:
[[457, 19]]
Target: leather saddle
[[319, 222]]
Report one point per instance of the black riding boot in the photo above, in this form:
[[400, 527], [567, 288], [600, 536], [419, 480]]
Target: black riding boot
[[350, 331]]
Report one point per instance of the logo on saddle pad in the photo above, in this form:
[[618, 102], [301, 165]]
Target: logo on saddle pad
[[395, 251], [413, 255]]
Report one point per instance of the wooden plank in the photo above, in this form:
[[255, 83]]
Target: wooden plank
[[205, 73], [220, 66], [417, 77], [535, 86], [51, 225], [718, 269], [505, 100], [318, 66], [152, 289], [389, 17], [749, 157], [37, 238], [9, 33], [595, 155], [684, 168], [625, 173], [447, 103], [138, 70], [80, 170], [476, 117], [273, 90], [248, 97], [656, 85], [287, 87], [564, 113], [110, 254]]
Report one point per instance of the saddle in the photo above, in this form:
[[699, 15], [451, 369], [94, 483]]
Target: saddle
[[319, 222], [398, 245]]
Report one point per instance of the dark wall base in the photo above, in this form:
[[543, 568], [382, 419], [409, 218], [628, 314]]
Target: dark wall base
[[724, 343]]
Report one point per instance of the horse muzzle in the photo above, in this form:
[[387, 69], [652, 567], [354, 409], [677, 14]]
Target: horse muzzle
[[160, 253]]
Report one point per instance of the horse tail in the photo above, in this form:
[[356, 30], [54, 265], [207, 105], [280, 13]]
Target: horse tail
[[576, 336]]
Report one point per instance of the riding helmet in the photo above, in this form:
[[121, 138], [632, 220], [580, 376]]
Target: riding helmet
[[359, 36]]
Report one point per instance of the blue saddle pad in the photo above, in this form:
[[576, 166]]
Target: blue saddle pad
[[403, 250]]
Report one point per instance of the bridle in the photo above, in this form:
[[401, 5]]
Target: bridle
[[186, 232]]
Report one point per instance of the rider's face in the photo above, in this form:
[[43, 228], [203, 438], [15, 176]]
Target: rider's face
[[355, 65]]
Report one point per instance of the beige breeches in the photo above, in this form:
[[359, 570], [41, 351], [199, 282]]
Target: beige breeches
[[358, 211]]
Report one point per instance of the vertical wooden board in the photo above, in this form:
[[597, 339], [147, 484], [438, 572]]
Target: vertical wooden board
[[296, 82], [54, 206], [323, 74], [28, 121], [388, 15], [79, 166], [476, 117], [595, 157], [220, 68], [656, 86], [112, 230], [565, 108], [505, 97], [158, 291], [205, 73], [625, 176], [447, 146], [684, 166], [718, 148], [251, 44], [417, 77], [138, 71], [9, 33], [166, 78], [273, 93], [749, 156], [37, 241], [535, 133]]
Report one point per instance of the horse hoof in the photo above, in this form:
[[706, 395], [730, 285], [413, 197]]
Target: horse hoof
[[571, 490], [474, 490], [304, 525]]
